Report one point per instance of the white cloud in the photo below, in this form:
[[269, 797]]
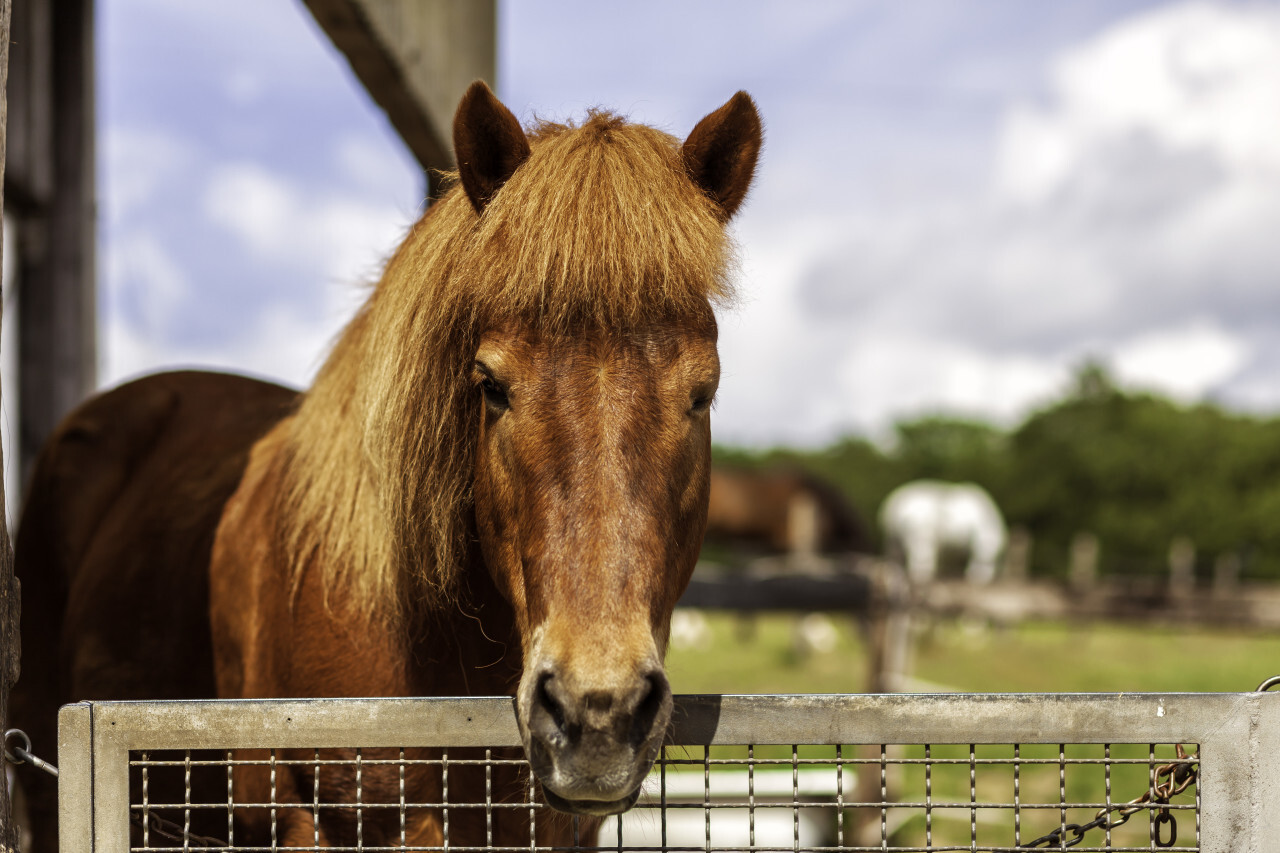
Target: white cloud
[[243, 87], [280, 343], [145, 276], [1185, 363], [255, 273], [1131, 216], [337, 236], [1196, 76], [922, 376], [308, 246], [139, 161]]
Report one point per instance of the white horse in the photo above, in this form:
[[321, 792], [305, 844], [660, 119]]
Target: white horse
[[924, 518]]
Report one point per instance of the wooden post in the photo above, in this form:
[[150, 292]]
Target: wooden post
[[10, 651], [57, 345], [1084, 560], [804, 531], [887, 634], [1017, 556], [1226, 573], [887, 628], [1182, 566]]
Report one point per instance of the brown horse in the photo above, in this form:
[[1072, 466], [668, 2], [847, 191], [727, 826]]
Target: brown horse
[[497, 483], [782, 510]]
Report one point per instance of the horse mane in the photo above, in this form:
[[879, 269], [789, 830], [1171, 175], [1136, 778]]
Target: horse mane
[[600, 228]]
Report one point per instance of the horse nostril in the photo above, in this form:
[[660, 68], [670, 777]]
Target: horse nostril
[[549, 703], [647, 709]]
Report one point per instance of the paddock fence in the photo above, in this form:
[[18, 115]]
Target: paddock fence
[[828, 774]]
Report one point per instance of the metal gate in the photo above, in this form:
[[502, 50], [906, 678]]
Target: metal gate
[[1113, 772]]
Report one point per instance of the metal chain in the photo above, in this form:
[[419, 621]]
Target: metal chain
[[1178, 776]]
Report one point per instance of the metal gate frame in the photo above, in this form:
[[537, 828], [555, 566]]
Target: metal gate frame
[[1238, 734]]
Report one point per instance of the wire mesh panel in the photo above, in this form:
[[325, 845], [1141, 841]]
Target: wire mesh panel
[[991, 773], [365, 799], [917, 798]]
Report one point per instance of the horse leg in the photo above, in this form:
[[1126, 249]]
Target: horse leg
[[922, 557]]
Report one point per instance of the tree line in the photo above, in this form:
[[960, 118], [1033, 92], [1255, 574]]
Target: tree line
[[1134, 469]]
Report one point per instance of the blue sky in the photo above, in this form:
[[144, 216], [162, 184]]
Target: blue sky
[[958, 202]]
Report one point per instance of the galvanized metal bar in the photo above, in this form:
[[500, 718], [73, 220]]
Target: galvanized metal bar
[[309, 723], [110, 783], [1226, 784], [959, 718], [490, 721], [75, 778], [1265, 772]]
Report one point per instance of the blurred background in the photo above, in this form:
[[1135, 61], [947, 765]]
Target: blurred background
[[1029, 246]]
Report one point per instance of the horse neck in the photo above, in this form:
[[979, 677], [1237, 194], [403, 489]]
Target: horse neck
[[469, 647]]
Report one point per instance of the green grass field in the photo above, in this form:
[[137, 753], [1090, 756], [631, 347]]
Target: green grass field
[[758, 656]]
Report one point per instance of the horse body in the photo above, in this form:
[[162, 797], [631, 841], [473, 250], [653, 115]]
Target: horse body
[[113, 549], [782, 511], [924, 519], [496, 484]]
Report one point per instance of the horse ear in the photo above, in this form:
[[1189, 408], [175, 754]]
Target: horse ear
[[488, 142], [720, 154]]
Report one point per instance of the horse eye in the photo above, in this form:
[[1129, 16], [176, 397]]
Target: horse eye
[[699, 403], [495, 396]]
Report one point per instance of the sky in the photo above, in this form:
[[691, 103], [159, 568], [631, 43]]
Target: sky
[[959, 201]]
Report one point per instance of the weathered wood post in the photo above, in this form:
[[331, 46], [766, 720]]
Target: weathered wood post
[[887, 634], [1083, 571], [1226, 573], [804, 526], [9, 606], [1017, 556], [50, 192], [1182, 567]]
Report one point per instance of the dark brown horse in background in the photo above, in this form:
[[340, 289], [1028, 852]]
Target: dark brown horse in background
[[497, 483], [782, 510]]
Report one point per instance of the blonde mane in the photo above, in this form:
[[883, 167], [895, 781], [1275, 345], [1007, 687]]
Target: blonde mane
[[599, 228]]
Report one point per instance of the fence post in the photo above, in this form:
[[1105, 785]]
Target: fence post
[[9, 603], [804, 531], [1226, 573], [1182, 566], [1017, 555], [1084, 560]]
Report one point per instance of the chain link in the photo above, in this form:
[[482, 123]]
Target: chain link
[[1178, 776]]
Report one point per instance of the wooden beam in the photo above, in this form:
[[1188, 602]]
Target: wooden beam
[[55, 248], [10, 650], [416, 58], [28, 176]]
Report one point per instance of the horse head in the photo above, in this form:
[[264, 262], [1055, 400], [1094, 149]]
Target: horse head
[[591, 469]]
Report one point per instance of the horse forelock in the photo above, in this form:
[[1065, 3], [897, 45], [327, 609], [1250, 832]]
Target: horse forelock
[[599, 229]]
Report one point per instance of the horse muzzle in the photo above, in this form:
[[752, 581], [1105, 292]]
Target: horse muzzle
[[591, 746]]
